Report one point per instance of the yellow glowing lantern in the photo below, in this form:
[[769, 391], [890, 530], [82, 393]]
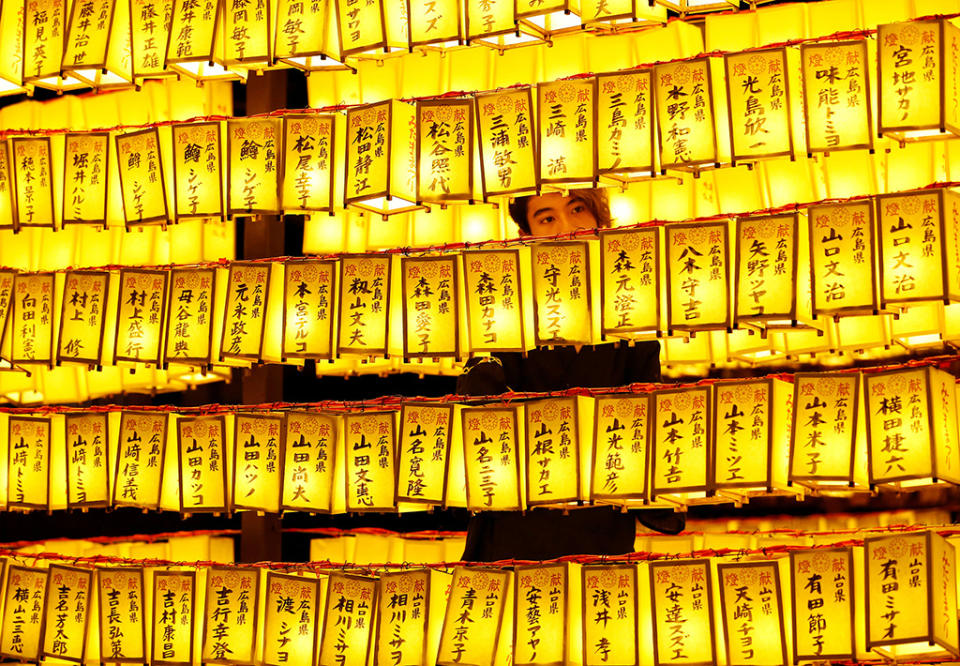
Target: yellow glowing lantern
[[621, 11], [698, 277], [87, 460], [98, 48], [625, 124], [685, 122], [370, 448], [201, 456], [32, 320], [699, 6], [245, 316], [141, 177], [291, 614], [822, 589], [477, 608], [410, 616], [758, 104], [140, 315], [174, 608], [494, 294], [424, 451], [751, 604], [364, 304], [491, 459], [189, 328], [308, 35], [682, 444], [248, 34], [911, 591], [257, 447], [141, 453], [630, 283], [508, 149], [28, 462], [611, 630], [65, 634], [548, 18], [253, 184], [561, 293], [552, 453], [445, 149], [23, 599], [912, 427], [621, 449], [82, 317], [196, 46], [230, 615], [311, 440], [842, 257], [197, 171], [362, 26], [6, 298], [8, 210], [435, 22], [308, 163], [546, 608], [150, 31], [85, 167], [123, 632], [568, 132], [836, 96], [487, 22], [308, 311], [681, 596], [44, 41], [11, 50], [33, 182], [431, 310], [348, 619]]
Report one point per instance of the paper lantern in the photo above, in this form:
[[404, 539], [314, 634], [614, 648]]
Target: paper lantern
[[444, 148], [547, 607], [842, 259], [28, 463], [245, 313], [561, 292], [253, 185], [24, 596], [911, 596], [508, 149], [621, 449], [699, 6], [434, 22], [362, 26], [485, 22], [290, 619], [494, 295], [836, 96], [33, 182], [189, 326], [546, 19], [410, 616], [141, 452], [85, 165], [348, 619], [424, 452], [201, 458], [370, 446], [8, 192], [682, 444], [624, 123], [307, 35], [140, 315], [552, 453], [123, 634], [611, 631], [476, 609], [491, 459], [230, 615], [197, 41], [308, 163], [88, 460], [682, 607], [98, 48], [752, 610], [685, 120], [44, 41], [431, 311], [309, 294], [150, 31], [174, 604], [141, 177], [82, 317], [257, 446], [248, 34], [309, 453], [66, 612], [823, 603], [698, 277], [758, 104], [197, 171], [32, 323], [11, 51], [364, 304], [568, 131], [630, 283]]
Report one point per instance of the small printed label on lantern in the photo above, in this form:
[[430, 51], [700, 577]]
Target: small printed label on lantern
[[431, 320], [910, 59], [361, 25], [173, 617], [246, 309], [44, 41], [489, 17], [553, 451], [190, 318], [752, 612], [23, 613], [32, 327], [494, 305], [82, 317], [474, 616], [898, 586], [757, 103], [192, 30], [369, 134], [247, 32], [823, 595], [836, 96], [697, 276], [256, 464], [681, 435], [254, 185], [424, 447], [911, 247], [87, 460], [33, 175], [290, 622], [122, 631], [308, 297], [682, 608], [610, 629], [568, 135], [90, 26], [433, 21], [85, 178], [348, 620], [301, 28], [67, 610], [150, 28], [370, 443], [143, 304], [311, 439], [622, 444], [364, 304], [492, 465], [624, 117], [308, 152], [230, 616], [824, 432], [7, 192], [202, 464], [507, 149], [540, 632], [141, 447], [28, 462], [403, 613], [561, 290], [742, 432], [141, 177], [629, 281], [685, 113], [767, 268], [197, 170], [842, 257], [445, 150]]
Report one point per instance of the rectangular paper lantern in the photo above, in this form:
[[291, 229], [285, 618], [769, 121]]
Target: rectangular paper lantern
[[8, 191], [82, 317], [475, 613], [44, 41], [85, 165], [290, 623], [307, 35], [912, 427], [150, 31], [444, 148], [141, 177], [494, 294], [751, 606], [87, 460], [491, 458], [911, 582], [230, 615], [32, 327], [836, 96], [823, 603], [309, 144], [123, 634], [363, 26], [768, 269], [196, 46], [370, 447], [410, 616], [11, 51], [65, 633], [309, 297], [248, 34], [189, 334], [364, 304], [28, 463], [424, 451], [621, 449], [197, 171], [561, 293], [257, 445], [625, 124], [98, 48], [842, 257], [33, 182], [434, 22], [174, 614], [23, 613], [681, 595], [141, 451], [140, 315], [685, 120], [758, 104], [611, 630], [431, 308], [682, 444], [698, 276], [486, 20], [348, 619], [568, 131], [311, 441], [245, 316], [546, 614], [552, 451], [508, 148], [630, 283], [202, 461], [253, 156]]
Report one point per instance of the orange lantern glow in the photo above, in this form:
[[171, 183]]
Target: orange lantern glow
[[23, 606], [253, 184], [307, 35], [309, 297], [33, 182], [123, 633], [698, 277], [370, 446], [424, 450], [231, 610], [682, 444], [822, 583], [88, 460], [685, 121], [197, 171], [364, 304], [291, 612], [174, 614], [552, 452], [752, 637], [561, 292], [491, 457], [625, 124], [257, 446], [308, 163], [758, 104], [546, 607], [494, 294], [32, 323], [247, 287], [476, 611], [202, 461], [44, 41], [842, 259], [150, 31], [189, 332], [196, 45], [836, 96], [348, 619], [508, 149], [630, 283], [410, 615], [141, 452], [431, 311], [82, 317], [682, 607], [611, 630], [621, 449], [85, 167], [28, 463], [566, 118], [65, 634], [141, 177], [444, 149], [309, 452], [140, 316], [98, 48]]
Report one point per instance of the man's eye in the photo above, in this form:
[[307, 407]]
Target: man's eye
[[579, 208], [546, 220]]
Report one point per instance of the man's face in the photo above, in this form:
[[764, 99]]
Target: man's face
[[552, 214]]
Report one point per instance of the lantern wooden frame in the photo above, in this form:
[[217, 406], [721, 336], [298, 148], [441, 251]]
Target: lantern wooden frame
[[211, 57], [622, 499], [696, 166], [467, 255], [372, 351], [739, 566], [52, 79], [45, 141], [563, 611], [257, 62], [369, 48], [684, 7], [708, 593], [161, 328], [744, 486], [374, 602], [99, 504], [542, 27], [587, 296], [455, 299], [528, 468], [300, 580], [157, 576], [384, 508], [255, 602], [333, 315], [307, 60], [49, 361], [27, 506], [163, 18], [223, 353], [592, 113], [117, 497], [32, 571], [443, 40], [708, 489], [506, 579], [178, 176], [6, 169], [469, 129], [278, 146], [472, 504], [725, 243], [586, 570], [399, 458], [642, 333], [94, 73], [223, 466], [282, 163], [630, 172], [789, 318], [97, 360], [161, 219], [332, 444], [49, 603], [534, 147], [847, 553], [280, 421], [628, 17], [104, 635], [105, 137], [190, 360]]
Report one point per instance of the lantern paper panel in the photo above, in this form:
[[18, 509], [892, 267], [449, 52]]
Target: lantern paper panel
[[553, 452], [196, 43], [491, 459], [751, 604], [23, 610], [910, 99], [197, 171], [682, 608], [11, 51], [494, 298], [951, 236], [44, 43], [32, 328], [88, 461], [364, 304], [836, 96], [822, 587], [123, 633], [370, 447], [508, 150], [621, 449], [98, 49], [28, 463], [306, 35], [141, 452], [476, 610], [685, 119], [8, 191], [141, 177], [410, 616], [311, 440], [951, 76], [253, 185], [842, 258], [434, 22], [682, 444], [562, 293], [33, 182], [698, 276], [245, 313], [150, 30], [625, 122], [630, 283], [611, 631], [546, 614], [189, 334], [568, 131], [248, 34], [82, 317], [290, 622], [362, 26], [348, 619], [202, 462], [65, 634], [444, 147], [230, 615], [308, 163], [85, 164], [308, 311], [431, 309], [257, 447], [6, 297], [174, 616], [424, 452], [486, 20], [758, 104], [767, 269], [140, 315]]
